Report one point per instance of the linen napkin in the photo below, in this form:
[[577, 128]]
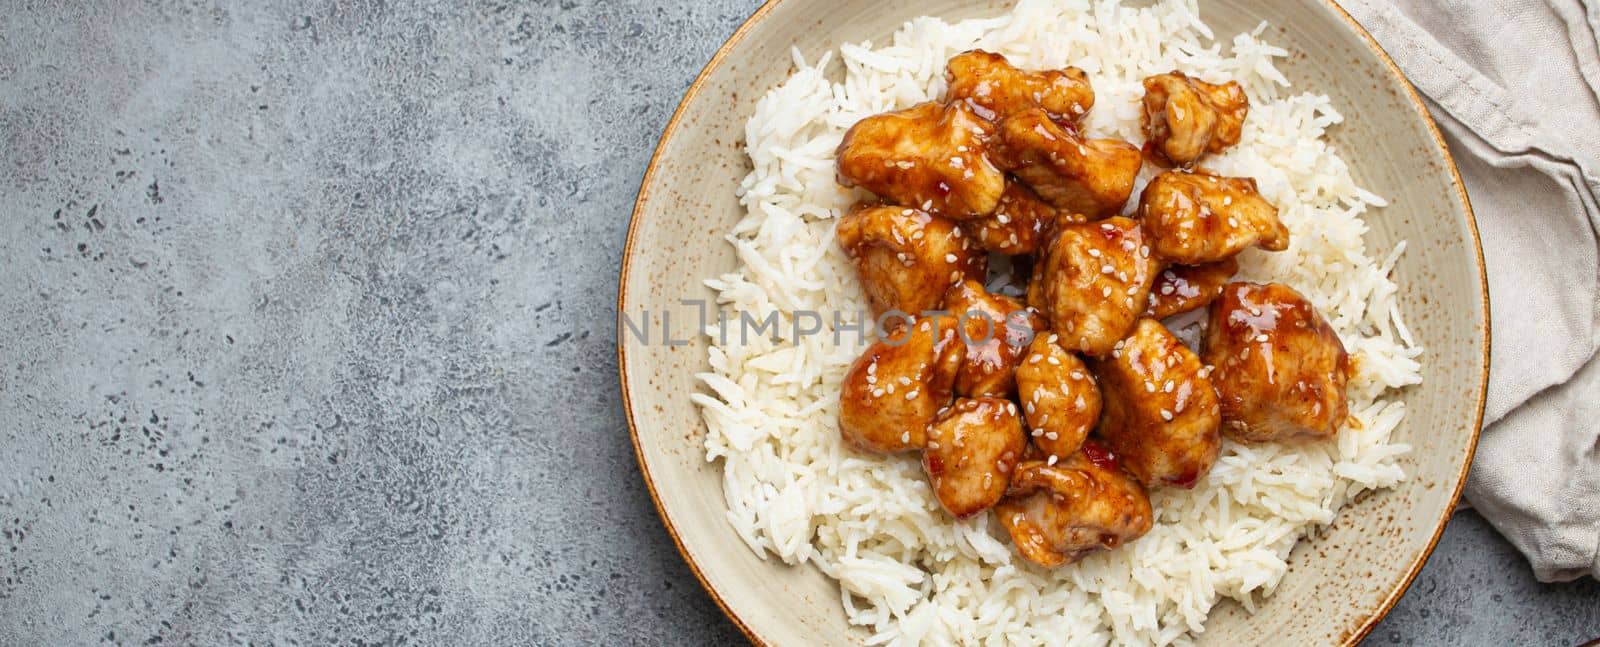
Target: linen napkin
[[1515, 86]]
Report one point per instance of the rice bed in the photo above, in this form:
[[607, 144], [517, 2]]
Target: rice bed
[[909, 573]]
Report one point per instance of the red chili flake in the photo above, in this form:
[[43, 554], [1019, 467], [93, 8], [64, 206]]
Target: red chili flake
[[1099, 455]]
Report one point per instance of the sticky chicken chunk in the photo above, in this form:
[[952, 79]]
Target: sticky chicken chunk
[[1060, 400], [907, 258], [1195, 218], [972, 449], [997, 90], [1058, 513], [1280, 369], [892, 392], [1020, 224], [1186, 118], [1181, 288], [1093, 177], [1160, 412], [929, 156], [1093, 282], [997, 329]]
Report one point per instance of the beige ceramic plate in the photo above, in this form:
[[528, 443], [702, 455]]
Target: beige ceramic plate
[[1339, 584]]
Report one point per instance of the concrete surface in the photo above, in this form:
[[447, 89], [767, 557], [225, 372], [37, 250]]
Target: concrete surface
[[306, 332]]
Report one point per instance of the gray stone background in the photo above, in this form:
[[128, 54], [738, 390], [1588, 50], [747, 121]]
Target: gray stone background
[[306, 324]]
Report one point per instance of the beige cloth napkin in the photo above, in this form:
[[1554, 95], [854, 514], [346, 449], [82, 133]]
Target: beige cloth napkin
[[1515, 86]]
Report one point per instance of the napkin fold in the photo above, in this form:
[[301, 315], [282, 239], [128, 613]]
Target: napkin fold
[[1515, 87]]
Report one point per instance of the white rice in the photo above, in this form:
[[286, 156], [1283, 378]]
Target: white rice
[[907, 572]]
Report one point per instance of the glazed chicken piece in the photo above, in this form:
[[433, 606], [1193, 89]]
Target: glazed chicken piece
[[1059, 512], [1093, 282], [929, 156], [997, 329], [1159, 411], [1092, 177], [907, 258], [892, 392], [1185, 118], [1020, 224], [997, 90], [1059, 398], [972, 449], [1280, 369], [1196, 218], [1181, 288]]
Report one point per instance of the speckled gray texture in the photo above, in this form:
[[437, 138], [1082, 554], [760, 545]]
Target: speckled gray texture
[[306, 333]]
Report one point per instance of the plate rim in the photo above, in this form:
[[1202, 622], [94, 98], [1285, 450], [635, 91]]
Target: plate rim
[[1419, 108]]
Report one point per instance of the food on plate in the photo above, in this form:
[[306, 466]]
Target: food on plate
[[1059, 397], [1130, 483], [906, 258], [895, 388], [973, 446], [1281, 369], [1186, 118], [1158, 410], [1181, 288], [997, 90], [1093, 282], [996, 330], [931, 156], [1195, 218], [1020, 223], [1092, 177], [1059, 511]]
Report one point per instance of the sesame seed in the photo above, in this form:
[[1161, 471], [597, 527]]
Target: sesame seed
[[1003, 218], [1051, 462], [905, 436], [1105, 291], [1107, 269], [1037, 433], [1035, 359], [1166, 415], [1077, 375], [1053, 361], [1149, 387], [949, 258], [1095, 253], [1261, 337], [1167, 387], [1029, 407], [913, 394]]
